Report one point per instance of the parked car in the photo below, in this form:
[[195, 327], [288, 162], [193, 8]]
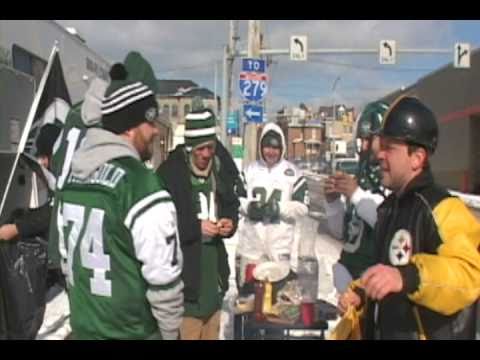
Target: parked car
[[347, 165]]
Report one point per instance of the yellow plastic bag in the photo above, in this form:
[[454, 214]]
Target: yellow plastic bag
[[348, 328]]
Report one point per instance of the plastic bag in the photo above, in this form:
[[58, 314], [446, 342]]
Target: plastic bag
[[23, 283], [349, 327]]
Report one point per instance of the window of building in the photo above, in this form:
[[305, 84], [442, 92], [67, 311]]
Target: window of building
[[28, 63], [174, 110], [96, 69], [186, 109], [166, 110]]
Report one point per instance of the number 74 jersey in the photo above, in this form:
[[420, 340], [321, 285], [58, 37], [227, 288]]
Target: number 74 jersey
[[118, 236]]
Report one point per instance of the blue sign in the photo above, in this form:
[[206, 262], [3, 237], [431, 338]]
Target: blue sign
[[253, 86], [253, 65], [253, 113], [233, 127]]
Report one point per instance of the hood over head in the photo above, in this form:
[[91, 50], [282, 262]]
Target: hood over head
[[275, 128]]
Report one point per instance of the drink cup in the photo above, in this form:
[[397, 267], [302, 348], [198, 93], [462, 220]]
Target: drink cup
[[307, 312]]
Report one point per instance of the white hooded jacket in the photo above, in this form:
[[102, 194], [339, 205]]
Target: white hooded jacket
[[261, 240]]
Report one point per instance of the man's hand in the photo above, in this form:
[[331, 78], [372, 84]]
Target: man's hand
[[8, 232], [209, 228], [272, 210], [345, 184], [348, 298], [381, 280], [331, 193], [255, 211], [225, 227]]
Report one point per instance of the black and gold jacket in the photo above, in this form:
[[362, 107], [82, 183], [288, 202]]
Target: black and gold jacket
[[433, 239]]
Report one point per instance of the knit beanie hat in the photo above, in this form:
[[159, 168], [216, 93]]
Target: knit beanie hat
[[199, 128], [127, 103]]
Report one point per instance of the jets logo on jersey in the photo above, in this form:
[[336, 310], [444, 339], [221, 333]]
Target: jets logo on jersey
[[151, 114], [57, 110], [289, 172], [401, 248]]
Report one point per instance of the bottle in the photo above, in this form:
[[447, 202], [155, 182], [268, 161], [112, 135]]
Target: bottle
[[308, 278], [259, 291], [267, 298], [307, 268]]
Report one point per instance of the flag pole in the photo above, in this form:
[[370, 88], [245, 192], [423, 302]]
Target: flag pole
[[28, 124]]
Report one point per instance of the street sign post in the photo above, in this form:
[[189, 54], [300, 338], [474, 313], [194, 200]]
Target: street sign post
[[462, 56], [387, 52], [253, 113], [238, 152], [253, 86], [253, 65], [233, 126], [298, 48], [253, 80]]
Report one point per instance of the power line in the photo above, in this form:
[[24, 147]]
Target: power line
[[210, 63]]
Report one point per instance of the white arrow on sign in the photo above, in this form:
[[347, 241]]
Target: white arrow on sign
[[251, 113]]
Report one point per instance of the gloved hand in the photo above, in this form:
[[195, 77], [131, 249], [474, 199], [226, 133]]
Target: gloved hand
[[272, 211], [255, 211]]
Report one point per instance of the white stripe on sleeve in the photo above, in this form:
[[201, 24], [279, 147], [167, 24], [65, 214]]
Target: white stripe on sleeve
[[141, 204], [150, 233]]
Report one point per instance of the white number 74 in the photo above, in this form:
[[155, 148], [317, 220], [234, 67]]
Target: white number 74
[[88, 234]]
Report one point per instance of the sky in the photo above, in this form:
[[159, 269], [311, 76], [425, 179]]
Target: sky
[[192, 49]]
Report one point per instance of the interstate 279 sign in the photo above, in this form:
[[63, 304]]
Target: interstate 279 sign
[[253, 80]]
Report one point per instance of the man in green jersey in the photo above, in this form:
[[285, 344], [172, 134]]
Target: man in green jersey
[[352, 217], [118, 227], [201, 181]]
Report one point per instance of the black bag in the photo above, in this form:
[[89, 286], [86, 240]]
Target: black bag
[[23, 283]]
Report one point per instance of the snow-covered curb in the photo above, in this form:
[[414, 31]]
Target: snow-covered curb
[[469, 199]]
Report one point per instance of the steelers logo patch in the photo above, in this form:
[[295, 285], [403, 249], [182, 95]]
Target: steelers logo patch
[[401, 248]]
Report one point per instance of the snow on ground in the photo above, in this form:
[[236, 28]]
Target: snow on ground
[[56, 323]]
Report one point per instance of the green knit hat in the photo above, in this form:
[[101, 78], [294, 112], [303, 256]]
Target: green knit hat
[[199, 128]]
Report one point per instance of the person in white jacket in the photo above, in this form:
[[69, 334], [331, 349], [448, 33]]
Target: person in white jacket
[[276, 195], [352, 216]]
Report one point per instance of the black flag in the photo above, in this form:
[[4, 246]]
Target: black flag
[[50, 105], [53, 106]]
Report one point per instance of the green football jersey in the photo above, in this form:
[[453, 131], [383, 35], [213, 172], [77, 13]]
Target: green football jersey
[[358, 251], [118, 236], [70, 139], [210, 297]]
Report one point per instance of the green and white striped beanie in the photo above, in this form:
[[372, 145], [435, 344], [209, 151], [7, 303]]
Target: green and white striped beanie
[[199, 128]]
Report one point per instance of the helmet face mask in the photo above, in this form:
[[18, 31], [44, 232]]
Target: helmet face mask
[[369, 124]]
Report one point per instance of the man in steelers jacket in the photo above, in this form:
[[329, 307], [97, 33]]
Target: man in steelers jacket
[[427, 279]]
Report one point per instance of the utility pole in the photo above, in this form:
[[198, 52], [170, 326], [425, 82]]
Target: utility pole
[[333, 148], [215, 104], [228, 59], [250, 132]]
